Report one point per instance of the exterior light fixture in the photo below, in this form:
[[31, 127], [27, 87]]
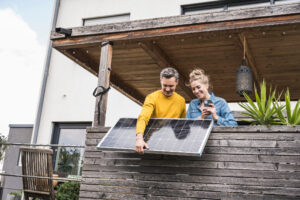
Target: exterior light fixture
[[66, 32], [244, 80]]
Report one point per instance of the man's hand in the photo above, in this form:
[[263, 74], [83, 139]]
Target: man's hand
[[140, 144]]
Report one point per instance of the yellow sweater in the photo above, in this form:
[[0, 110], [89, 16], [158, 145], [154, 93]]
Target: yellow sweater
[[157, 105]]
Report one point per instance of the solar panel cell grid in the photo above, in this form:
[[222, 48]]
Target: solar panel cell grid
[[165, 136]]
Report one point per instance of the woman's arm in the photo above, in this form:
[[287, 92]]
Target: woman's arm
[[226, 117]]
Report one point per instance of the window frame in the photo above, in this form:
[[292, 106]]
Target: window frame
[[225, 4], [57, 126], [104, 17]]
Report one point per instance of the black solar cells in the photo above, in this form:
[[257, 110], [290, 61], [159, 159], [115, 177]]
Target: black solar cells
[[164, 136]]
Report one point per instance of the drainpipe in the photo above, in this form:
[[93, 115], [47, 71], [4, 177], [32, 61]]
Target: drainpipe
[[45, 77]]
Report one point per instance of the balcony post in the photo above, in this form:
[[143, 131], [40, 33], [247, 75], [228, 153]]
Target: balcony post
[[103, 83]]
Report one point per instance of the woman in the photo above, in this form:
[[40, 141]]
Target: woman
[[218, 110]]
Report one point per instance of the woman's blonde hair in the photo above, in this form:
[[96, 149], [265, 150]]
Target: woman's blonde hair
[[199, 74]]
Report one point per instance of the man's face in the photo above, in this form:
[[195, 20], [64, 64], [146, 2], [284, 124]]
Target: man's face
[[168, 86]]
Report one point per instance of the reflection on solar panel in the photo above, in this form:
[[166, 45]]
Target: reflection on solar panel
[[163, 136]]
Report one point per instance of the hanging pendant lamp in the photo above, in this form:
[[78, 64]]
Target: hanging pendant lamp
[[244, 80]]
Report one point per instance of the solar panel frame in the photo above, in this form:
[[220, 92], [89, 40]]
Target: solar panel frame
[[156, 120]]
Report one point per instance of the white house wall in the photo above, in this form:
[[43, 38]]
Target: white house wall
[[68, 96]]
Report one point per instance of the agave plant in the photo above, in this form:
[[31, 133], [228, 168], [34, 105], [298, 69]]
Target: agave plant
[[292, 118], [263, 112]]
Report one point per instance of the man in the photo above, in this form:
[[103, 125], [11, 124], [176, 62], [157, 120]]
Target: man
[[164, 103]]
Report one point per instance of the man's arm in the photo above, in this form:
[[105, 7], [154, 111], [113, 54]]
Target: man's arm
[[142, 122], [183, 114]]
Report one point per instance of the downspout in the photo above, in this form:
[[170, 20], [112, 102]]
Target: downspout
[[45, 77]]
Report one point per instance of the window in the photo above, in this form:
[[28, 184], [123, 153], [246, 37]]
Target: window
[[106, 19], [222, 5], [68, 161]]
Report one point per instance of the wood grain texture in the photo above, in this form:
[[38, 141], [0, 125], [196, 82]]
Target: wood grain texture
[[250, 162], [215, 47], [209, 17], [103, 81]]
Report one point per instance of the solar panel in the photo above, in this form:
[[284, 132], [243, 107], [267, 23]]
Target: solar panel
[[163, 136]]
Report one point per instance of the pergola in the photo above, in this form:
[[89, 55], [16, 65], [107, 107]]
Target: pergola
[[243, 162], [131, 54]]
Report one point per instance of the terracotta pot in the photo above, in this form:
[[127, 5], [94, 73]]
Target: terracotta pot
[[54, 182]]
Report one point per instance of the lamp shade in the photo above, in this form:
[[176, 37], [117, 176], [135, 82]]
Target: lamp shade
[[244, 80]]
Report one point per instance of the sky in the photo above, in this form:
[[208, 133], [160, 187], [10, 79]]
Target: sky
[[24, 37]]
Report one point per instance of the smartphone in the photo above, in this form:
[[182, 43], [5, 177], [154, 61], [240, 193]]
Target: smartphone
[[207, 103]]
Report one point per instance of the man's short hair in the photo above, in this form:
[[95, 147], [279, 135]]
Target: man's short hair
[[169, 72]]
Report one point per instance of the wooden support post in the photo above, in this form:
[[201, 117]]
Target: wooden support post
[[103, 80]]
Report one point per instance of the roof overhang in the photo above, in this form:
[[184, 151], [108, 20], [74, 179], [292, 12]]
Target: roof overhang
[[212, 41]]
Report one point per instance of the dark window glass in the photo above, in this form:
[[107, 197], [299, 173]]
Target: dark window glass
[[68, 161]]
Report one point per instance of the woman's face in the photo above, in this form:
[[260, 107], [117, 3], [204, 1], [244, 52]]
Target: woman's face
[[199, 89]]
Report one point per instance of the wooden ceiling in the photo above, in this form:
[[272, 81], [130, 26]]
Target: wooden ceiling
[[272, 48]]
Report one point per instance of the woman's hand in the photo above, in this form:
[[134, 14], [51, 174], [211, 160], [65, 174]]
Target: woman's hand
[[204, 114], [212, 111]]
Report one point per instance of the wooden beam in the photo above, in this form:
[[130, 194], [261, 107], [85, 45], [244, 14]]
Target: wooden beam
[[83, 59], [86, 40], [183, 20], [127, 89], [103, 81], [163, 61], [250, 58]]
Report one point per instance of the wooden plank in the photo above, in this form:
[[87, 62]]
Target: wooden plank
[[255, 136], [233, 143], [153, 192], [192, 174], [188, 29], [92, 157], [257, 129], [251, 162], [192, 177], [192, 164], [241, 130], [262, 151], [241, 151], [103, 81], [241, 143], [209, 17], [112, 184]]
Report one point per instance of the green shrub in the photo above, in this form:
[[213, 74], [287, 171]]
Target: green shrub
[[68, 191]]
